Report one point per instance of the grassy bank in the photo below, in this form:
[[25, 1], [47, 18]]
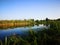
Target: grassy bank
[[49, 36], [4, 24]]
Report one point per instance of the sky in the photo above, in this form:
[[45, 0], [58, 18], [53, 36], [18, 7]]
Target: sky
[[29, 9]]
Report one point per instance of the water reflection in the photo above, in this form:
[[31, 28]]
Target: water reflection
[[19, 30]]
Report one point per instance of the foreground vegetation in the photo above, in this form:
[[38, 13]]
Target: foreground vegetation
[[49, 36]]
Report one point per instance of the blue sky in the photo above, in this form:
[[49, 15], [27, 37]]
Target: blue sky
[[29, 9]]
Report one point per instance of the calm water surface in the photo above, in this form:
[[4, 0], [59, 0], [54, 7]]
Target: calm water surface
[[19, 31]]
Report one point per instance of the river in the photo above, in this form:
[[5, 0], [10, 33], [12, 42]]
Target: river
[[19, 30]]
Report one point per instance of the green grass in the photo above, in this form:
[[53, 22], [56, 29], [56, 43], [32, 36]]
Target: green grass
[[49, 36]]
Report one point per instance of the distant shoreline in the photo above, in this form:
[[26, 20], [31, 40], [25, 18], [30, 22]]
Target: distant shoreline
[[15, 23]]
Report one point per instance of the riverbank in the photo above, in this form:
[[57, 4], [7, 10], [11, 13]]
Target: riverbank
[[49, 36], [4, 24]]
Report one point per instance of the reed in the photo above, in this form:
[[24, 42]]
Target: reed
[[49, 36]]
